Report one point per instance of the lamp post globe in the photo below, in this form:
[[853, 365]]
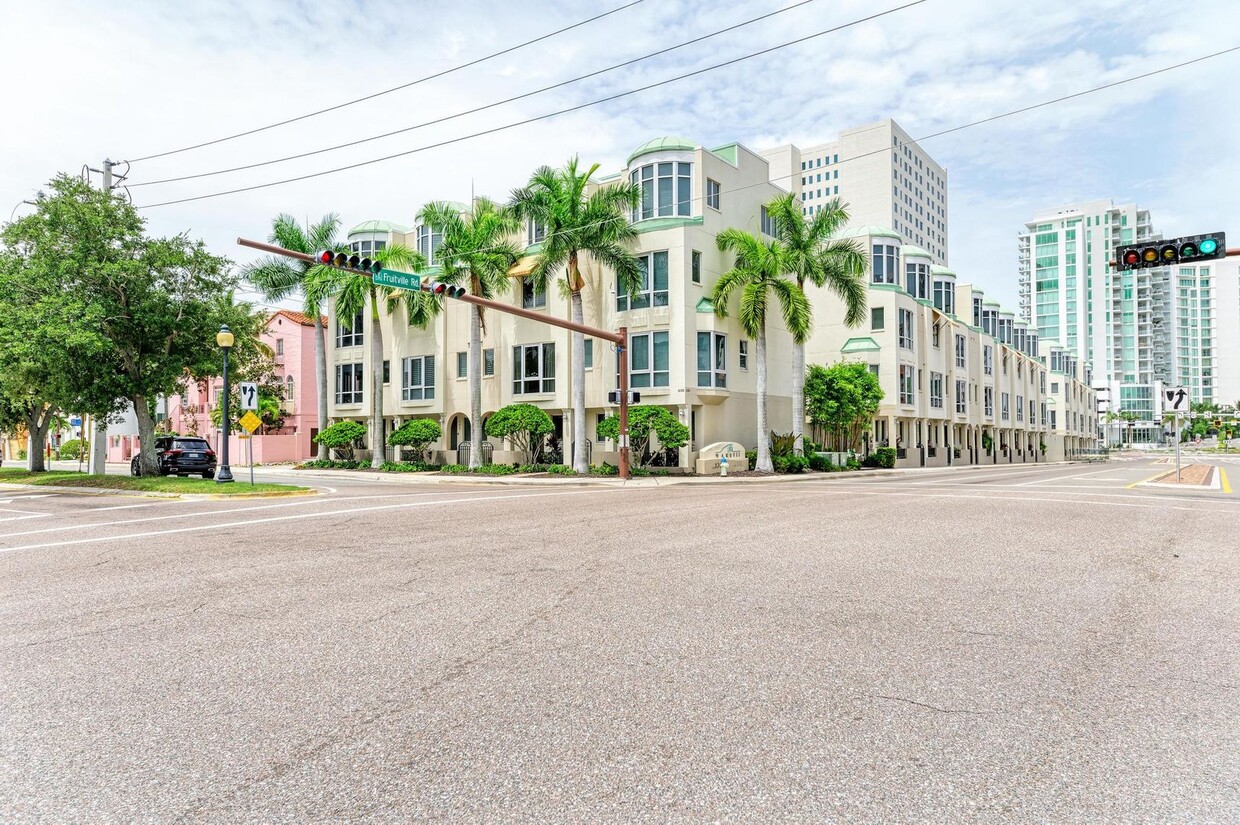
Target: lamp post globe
[[224, 338]]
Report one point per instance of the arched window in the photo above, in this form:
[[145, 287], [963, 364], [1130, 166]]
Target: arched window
[[288, 388]]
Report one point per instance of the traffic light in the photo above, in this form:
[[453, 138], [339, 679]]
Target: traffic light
[[1185, 250], [440, 288], [352, 263]]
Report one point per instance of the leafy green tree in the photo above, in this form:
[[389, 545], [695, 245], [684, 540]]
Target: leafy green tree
[[477, 252], [760, 270], [579, 217], [841, 401], [277, 278], [342, 437], [644, 422], [352, 293], [524, 425], [418, 434], [816, 255]]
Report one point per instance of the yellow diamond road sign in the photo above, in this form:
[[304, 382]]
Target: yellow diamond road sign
[[250, 421]]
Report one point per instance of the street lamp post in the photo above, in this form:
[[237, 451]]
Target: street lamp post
[[225, 340]]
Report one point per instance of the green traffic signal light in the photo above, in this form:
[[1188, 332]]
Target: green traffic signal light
[[1208, 246]]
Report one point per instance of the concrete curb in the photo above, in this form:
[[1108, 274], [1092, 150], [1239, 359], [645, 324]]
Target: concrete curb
[[107, 491]]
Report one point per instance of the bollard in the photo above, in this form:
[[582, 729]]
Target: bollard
[[723, 466]]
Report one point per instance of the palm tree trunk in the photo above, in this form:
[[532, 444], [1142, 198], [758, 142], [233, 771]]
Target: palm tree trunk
[[798, 397], [764, 445], [579, 387], [378, 451], [320, 377], [475, 387]]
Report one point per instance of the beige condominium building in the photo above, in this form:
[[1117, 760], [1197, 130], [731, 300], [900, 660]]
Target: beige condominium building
[[700, 367]]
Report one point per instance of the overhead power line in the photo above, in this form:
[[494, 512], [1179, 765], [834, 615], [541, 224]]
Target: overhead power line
[[434, 76], [484, 107], [542, 117]]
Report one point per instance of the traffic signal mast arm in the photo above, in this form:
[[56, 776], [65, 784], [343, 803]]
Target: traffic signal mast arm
[[620, 338]]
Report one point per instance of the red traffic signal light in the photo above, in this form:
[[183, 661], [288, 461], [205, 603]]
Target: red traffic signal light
[[1188, 249], [440, 288], [343, 260], [1131, 258]]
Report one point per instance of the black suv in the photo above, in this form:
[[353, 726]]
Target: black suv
[[180, 456]]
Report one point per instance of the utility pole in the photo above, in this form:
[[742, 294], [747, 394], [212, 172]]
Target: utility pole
[[98, 441]]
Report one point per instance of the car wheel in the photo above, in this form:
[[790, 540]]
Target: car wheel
[[135, 467]]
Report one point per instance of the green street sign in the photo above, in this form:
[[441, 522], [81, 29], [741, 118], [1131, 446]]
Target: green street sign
[[398, 280]]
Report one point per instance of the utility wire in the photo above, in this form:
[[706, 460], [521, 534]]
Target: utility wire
[[439, 74], [538, 118], [484, 107], [948, 131]]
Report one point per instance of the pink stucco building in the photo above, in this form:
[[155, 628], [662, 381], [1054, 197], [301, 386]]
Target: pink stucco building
[[291, 338]]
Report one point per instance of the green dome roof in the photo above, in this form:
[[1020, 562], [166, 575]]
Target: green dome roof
[[377, 226], [871, 230], [915, 251], [663, 144], [935, 269]]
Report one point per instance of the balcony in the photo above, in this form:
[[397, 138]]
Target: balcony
[[279, 359], [289, 406]]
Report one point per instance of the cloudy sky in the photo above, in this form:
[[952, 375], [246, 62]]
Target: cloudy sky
[[91, 79]]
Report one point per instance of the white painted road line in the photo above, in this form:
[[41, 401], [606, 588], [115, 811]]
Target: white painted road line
[[350, 511]]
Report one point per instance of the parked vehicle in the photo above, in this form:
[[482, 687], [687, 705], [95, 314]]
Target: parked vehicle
[[181, 456]]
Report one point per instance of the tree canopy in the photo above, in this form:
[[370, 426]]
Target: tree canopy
[[841, 401]]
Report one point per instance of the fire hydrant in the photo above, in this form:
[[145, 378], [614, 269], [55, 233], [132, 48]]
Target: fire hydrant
[[723, 466]]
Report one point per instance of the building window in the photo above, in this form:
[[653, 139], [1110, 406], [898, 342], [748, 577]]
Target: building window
[[535, 232], [961, 399], [532, 298], [934, 335], [488, 361], [960, 345], [349, 383], [696, 267], [906, 329], [349, 336], [945, 296], [886, 259], [664, 190], [1020, 408], [279, 346], [988, 359], [652, 289], [936, 390], [417, 378], [917, 279], [712, 193], [1004, 405], [742, 358], [589, 359], [712, 360], [462, 364], [387, 372], [877, 321], [428, 243], [907, 377], [988, 397], [648, 360], [769, 225], [533, 369]]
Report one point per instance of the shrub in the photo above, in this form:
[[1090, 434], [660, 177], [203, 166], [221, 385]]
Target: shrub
[[883, 457], [341, 437], [331, 465], [418, 434], [752, 457], [524, 425], [406, 467], [604, 469], [988, 443], [561, 470], [782, 445], [531, 468], [820, 463], [71, 449], [790, 463], [643, 422], [493, 470]]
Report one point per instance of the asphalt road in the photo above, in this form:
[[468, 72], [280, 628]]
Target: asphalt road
[[1029, 644]]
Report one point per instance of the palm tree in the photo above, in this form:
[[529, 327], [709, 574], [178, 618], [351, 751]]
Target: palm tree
[[816, 255], [277, 278], [576, 221], [761, 268], [477, 250], [350, 293]]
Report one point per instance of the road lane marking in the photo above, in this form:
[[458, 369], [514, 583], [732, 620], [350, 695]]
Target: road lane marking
[[1222, 474], [349, 511], [842, 487], [191, 514]]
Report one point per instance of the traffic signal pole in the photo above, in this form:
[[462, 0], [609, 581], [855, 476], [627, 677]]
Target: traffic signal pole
[[619, 338]]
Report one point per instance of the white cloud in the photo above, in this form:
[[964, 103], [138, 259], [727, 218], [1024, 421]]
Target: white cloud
[[125, 81]]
